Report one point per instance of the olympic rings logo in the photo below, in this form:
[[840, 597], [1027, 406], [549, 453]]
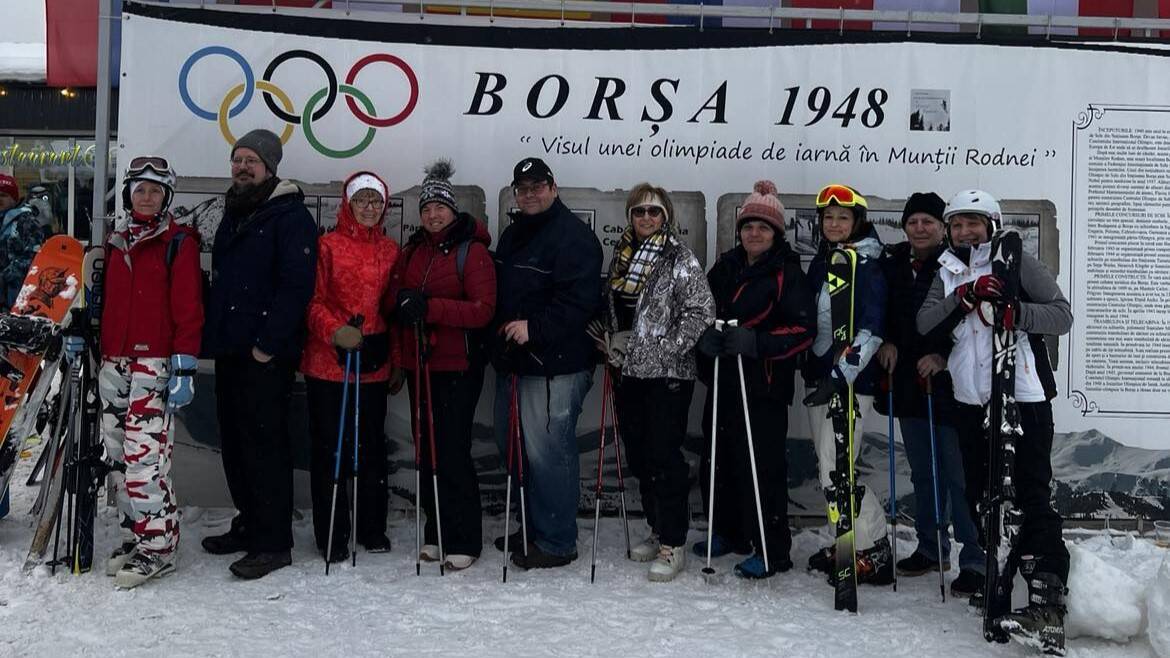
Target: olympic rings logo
[[278, 102]]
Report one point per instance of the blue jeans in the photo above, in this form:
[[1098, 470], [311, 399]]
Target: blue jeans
[[952, 500], [549, 408]]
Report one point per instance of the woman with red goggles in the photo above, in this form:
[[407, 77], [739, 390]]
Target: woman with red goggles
[[841, 214]]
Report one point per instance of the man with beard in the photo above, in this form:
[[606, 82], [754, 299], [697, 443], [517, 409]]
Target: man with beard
[[263, 269]]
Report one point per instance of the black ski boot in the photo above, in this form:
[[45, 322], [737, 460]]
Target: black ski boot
[[823, 560], [1041, 624]]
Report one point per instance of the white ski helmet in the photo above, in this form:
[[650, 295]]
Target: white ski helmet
[[149, 168], [975, 202]]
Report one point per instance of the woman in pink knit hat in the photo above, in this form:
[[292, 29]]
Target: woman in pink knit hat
[[760, 285]]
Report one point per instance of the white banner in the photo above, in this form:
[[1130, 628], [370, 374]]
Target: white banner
[[1075, 141]]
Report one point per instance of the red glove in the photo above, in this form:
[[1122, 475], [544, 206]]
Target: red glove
[[965, 293], [988, 287]]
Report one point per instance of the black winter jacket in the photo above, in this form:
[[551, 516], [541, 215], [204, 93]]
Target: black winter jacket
[[547, 270], [264, 267], [907, 283], [771, 297]]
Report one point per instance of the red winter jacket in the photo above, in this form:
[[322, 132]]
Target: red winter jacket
[[353, 271], [453, 307], [149, 309]]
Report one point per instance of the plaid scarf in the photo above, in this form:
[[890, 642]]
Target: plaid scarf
[[632, 266]]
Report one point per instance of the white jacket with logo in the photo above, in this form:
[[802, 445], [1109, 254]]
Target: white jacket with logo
[[970, 363]]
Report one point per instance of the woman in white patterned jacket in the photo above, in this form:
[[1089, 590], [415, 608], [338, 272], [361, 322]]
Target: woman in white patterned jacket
[[657, 305]]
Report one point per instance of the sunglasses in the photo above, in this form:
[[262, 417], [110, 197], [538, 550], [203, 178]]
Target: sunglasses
[[841, 195], [525, 190], [641, 211]]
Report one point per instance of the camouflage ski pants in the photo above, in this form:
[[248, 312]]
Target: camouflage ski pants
[[135, 435]]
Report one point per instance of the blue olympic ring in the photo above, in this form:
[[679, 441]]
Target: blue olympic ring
[[249, 81]]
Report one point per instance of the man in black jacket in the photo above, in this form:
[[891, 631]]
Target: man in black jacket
[[910, 268], [263, 271], [547, 267]]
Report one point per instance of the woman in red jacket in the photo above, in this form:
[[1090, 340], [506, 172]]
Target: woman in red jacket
[[353, 270], [445, 285], [151, 325]]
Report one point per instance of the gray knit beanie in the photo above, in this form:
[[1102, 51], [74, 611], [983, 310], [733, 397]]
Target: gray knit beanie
[[437, 186], [266, 145]]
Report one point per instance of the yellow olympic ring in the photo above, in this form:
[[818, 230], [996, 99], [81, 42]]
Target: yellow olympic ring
[[262, 85]]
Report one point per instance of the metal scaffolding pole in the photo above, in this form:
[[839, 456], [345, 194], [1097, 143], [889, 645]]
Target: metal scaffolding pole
[[101, 129]]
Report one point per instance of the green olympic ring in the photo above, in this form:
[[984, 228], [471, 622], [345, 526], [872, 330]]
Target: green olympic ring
[[307, 123]]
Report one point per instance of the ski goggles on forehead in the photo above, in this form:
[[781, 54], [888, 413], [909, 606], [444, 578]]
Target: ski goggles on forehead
[[841, 195], [142, 163]]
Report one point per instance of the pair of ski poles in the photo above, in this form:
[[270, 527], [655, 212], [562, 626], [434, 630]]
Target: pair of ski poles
[[422, 389], [608, 404], [353, 364], [515, 459], [747, 422], [934, 480]]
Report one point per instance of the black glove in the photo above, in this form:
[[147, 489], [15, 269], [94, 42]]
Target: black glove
[[824, 391], [739, 341], [412, 306], [711, 342]]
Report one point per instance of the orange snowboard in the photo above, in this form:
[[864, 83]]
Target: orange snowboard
[[51, 287]]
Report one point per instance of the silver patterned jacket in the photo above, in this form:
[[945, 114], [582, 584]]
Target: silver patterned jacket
[[674, 308]]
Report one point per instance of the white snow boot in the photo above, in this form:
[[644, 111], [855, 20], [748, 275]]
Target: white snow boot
[[141, 567], [119, 557], [647, 550], [429, 553], [459, 561], [668, 564]]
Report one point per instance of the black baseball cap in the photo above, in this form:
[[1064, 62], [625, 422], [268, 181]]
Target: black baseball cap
[[531, 169]]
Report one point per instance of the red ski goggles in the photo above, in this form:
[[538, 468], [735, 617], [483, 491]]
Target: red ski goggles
[[841, 195]]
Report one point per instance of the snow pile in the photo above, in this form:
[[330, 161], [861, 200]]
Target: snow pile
[[1103, 600], [1158, 607]]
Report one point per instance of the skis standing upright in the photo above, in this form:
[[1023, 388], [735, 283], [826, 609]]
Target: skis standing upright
[[1001, 517], [843, 494]]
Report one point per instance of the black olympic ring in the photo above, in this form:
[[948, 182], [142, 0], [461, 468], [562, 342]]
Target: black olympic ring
[[330, 76]]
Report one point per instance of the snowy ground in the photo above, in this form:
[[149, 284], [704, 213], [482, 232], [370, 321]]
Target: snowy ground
[[381, 607]]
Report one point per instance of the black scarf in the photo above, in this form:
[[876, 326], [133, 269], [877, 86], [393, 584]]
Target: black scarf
[[242, 203]]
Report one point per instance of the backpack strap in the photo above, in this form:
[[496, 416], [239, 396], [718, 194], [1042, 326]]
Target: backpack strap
[[461, 258], [173, 247]]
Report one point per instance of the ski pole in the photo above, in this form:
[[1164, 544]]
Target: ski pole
[[942, 590], [747, 423], [621, 478], [426, 367], [417, 458], [337, 458], [508, 469], [357, 412], [707, 570], [893, 483], [519, 441], [600, 464]]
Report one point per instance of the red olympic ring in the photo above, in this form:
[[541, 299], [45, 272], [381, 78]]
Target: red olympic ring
[[406, 70]]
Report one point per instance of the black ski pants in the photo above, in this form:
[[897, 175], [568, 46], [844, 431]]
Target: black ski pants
[[325, 415], [454, 395], [252, 406], [735, 503], [1041, 532], [652, 414]]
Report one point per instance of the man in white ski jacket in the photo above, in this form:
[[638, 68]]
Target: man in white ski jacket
[[961, 300]]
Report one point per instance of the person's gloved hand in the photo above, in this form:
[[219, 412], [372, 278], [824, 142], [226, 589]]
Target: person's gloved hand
[[711, 342], [74, 346], [181, 385], [412, 306], [739, 341], [616, 354], [348, 337], [965, 293], [988, 287]]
